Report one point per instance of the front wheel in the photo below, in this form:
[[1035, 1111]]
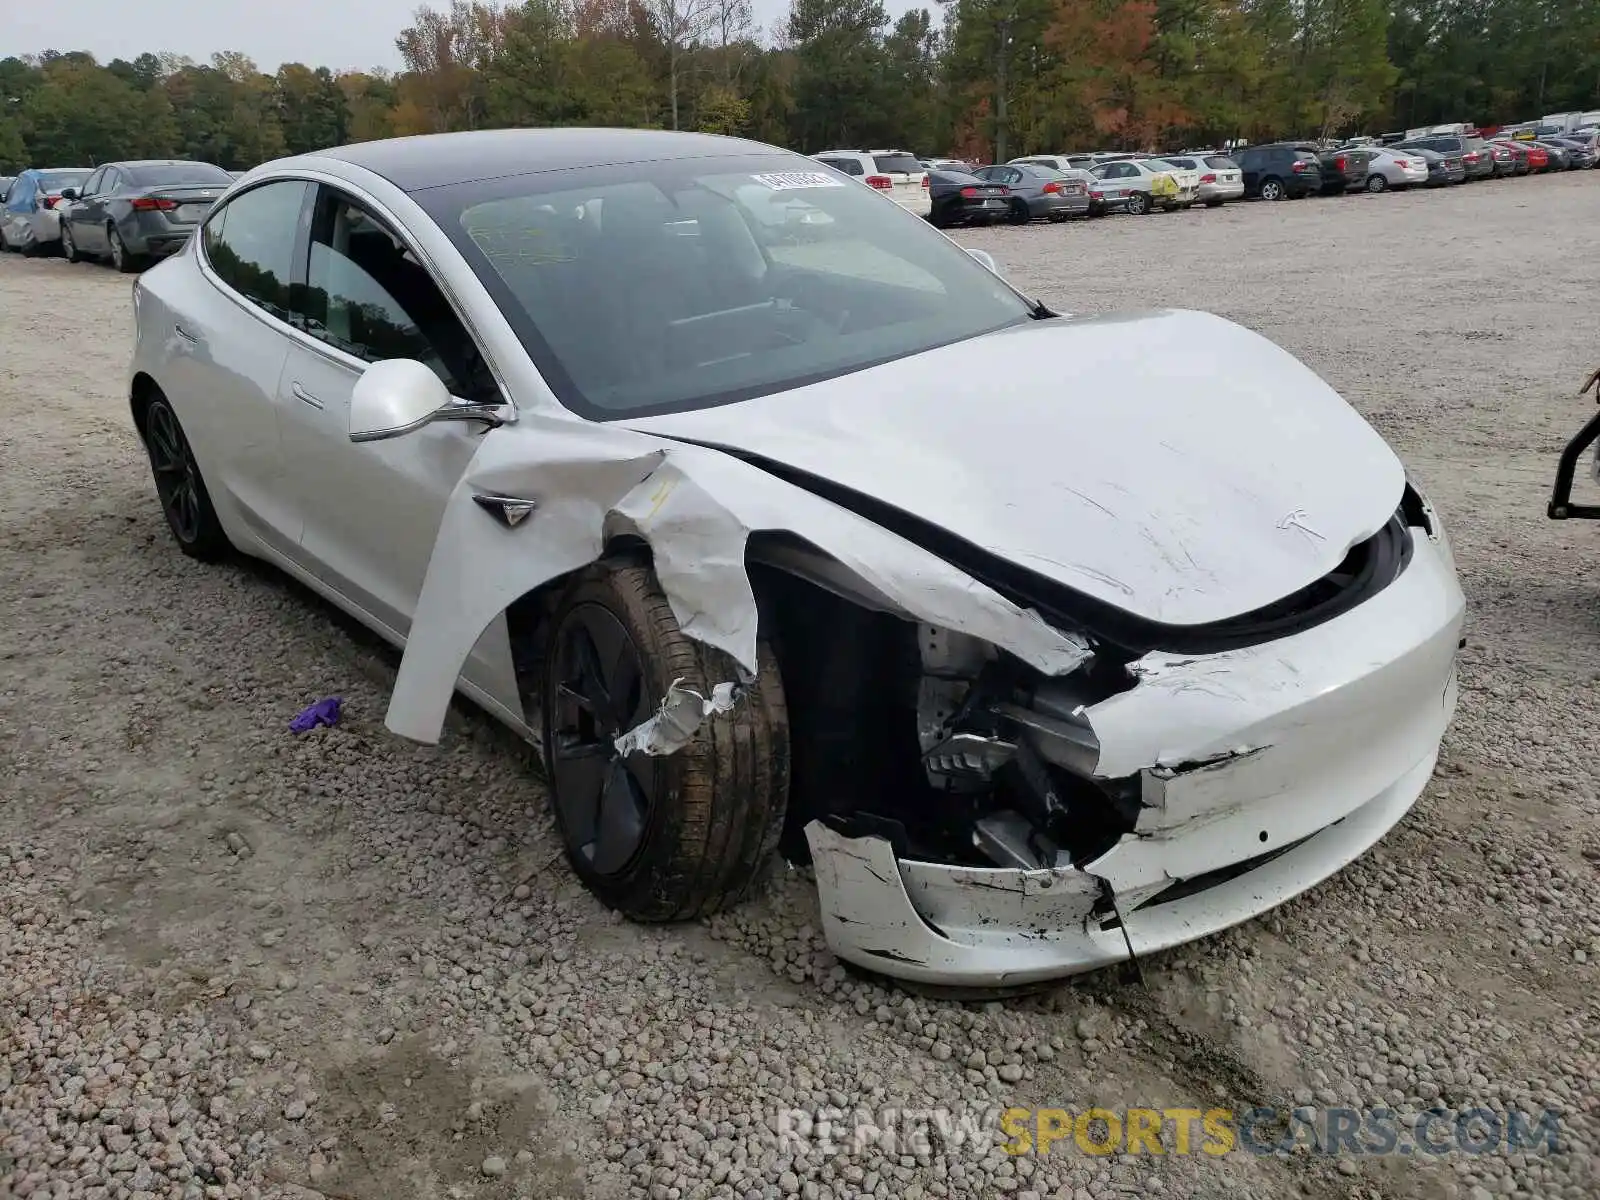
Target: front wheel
[[1272, 189], [1138, 204], [657, 837], [1376, 183]]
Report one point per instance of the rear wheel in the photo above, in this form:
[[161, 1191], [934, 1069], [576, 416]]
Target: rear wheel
[[1213, 203], [122, 258], [179, 485], [1138, 204], [665, 837], [1376, 183], [1272, 189], [1019, 212], [69, 248]]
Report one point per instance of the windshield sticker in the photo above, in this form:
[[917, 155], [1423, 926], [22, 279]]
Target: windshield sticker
[[785, 181]]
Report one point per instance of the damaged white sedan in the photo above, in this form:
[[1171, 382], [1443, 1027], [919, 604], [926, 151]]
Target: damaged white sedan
[[684, 458]]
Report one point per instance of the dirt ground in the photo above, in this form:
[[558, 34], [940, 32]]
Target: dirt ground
[[236, 962]]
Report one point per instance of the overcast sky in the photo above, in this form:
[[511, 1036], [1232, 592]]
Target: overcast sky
[[342, 34]]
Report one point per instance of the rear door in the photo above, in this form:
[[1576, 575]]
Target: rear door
[[228, 357]]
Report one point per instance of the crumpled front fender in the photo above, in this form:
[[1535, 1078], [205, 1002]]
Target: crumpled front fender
[[695, 508]]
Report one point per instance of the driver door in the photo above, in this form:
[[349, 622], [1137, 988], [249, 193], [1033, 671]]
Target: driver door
[[372, 509]]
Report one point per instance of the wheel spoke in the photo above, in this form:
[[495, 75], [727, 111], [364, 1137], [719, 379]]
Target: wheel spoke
[[581, 777], [620, 821], [591, 681]]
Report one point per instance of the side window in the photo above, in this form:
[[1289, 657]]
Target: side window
[[367, 295], [91, 186], [250, 243], [112, 182], [850, 166]]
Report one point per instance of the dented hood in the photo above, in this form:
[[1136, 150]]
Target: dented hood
[[1173, 464]]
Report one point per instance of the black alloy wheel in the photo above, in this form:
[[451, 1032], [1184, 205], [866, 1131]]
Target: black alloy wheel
[[605, 801], [179, 485]]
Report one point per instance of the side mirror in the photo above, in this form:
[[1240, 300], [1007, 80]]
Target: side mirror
[[399, 395], [69, 193], [987, 259]]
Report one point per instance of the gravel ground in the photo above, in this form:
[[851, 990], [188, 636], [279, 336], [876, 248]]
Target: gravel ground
[[234, 962]]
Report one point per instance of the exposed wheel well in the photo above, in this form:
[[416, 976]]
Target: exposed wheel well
[[140, 396], [850, 675]]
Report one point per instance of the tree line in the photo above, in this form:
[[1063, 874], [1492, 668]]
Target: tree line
[[991, 79]]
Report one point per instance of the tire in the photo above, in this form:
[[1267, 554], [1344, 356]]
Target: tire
[[712, 812], [31, 249], [121, 258], [1138, 204], [1019, 214], [1272, 188], [1376, 184], [69, 248], [185, 502], [1213, 203]]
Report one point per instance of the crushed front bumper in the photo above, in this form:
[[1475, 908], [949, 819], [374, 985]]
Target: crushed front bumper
[[1263, 771]]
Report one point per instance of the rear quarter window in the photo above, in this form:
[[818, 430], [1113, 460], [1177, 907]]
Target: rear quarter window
[[250, 243]]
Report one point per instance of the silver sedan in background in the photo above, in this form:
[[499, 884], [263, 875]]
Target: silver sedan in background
[[1391, 169], [132, 212], [1040, 191]]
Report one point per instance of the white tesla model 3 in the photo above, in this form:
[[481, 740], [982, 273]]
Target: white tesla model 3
[[775, 518]]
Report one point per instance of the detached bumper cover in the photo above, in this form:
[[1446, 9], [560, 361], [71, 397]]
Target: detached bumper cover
[[1264, 771]]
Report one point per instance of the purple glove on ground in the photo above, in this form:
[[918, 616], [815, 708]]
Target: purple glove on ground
[[323, 712]]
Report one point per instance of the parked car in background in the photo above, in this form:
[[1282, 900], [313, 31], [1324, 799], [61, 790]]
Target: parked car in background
[[1560, 156], [1136, 186], [1443, 169], [1582, 153], [1187, 179], [1530, 156], [896, 173], [1220, 178], [1279, 170], [1394, 170], [29, 221], [946, 164], [961, 198], [1505, 162], [1472, 151], [5, 186], [1040, 191], [1343, 170], [133, 212]]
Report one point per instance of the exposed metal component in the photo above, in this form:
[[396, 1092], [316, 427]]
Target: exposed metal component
[[1066, 743], [510, 511], [678, 718], [969, 756], [1010, 841]]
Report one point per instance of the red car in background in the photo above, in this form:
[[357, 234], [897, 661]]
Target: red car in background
[[1525, 152]]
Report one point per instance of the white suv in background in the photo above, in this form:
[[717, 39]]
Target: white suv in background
[[896, 173]]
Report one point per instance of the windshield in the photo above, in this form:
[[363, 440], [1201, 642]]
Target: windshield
[[170, 174], [54, 181], [655, 287]]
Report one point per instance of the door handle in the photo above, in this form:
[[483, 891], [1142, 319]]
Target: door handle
[[301, 394], [186, 335]]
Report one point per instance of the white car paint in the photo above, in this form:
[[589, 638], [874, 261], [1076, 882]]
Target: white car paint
[[1172, 505]]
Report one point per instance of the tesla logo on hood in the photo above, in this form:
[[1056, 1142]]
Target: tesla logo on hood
[[1297, 520]]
